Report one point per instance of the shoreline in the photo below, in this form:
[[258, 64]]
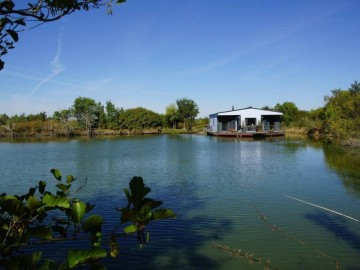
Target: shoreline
[[350, 142]]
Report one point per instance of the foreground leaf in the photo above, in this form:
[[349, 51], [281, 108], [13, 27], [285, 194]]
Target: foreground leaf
[[79, 208], [138, 191], [13, 207], [41, 232], [56, 201], [56, 173], [163, 213], [42, 185], [70, 179], [77, 257], [33, 203], [93, 223], [130, 229]]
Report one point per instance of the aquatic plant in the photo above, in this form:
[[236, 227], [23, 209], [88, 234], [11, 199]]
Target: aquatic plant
[[43, 217]]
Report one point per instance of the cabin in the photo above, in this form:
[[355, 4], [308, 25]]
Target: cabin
[[246, 122]]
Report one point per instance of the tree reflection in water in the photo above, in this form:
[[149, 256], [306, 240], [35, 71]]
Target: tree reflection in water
[[346, 163]]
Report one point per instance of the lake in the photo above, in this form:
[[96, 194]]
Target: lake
[[269, 198]]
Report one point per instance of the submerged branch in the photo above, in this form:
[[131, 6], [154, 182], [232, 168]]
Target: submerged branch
[[238, 253], [301, 242]]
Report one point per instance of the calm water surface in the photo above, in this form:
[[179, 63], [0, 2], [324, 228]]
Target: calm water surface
[[215, 186]]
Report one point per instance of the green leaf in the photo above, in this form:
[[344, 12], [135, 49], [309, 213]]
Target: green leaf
[[151, 203], [138, 191], [127, 214], [2, 64], [64, 188], [70, 179], [130, 229], [120, 1], [41, 232], [32, 191], [144, 215], [56, 201], [5, 197], [13, 207], [42, 185], [56, 173], [14, 35], [79, 208], [78, 257], [93, 223], [163, 213], [33, 203]]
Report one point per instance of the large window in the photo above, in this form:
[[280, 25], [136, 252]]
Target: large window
[[250, 121]]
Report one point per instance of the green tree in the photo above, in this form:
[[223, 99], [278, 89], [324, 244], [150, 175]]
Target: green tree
[[268, 108], [87, 112], [290, 112], [201, 123], [140, 119], [355, 88], [64, 117], [101, 116], [112, 115], [171, 115], [8, 125], [342, 113], [188, 110], [24, 15]]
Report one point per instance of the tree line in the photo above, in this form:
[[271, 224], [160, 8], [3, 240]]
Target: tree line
[[338, 119], [88, 116]]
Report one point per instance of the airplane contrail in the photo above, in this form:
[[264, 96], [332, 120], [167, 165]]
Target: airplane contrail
[[57, 66]]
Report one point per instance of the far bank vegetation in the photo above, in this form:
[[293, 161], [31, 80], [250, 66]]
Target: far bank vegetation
[[86, 117], [338, 120]]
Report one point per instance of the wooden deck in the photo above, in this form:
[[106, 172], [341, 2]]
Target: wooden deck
[[257, 134]]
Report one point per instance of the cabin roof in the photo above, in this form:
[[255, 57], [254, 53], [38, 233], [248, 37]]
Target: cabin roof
[[248, 110]]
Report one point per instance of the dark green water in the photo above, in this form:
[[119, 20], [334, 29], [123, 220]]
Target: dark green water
[[213, 185]]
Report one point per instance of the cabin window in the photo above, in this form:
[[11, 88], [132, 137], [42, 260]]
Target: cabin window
[[250, 121]]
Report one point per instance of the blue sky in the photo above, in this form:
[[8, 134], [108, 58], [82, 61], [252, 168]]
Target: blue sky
[[150, 53]]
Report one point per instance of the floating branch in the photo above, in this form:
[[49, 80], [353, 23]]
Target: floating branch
[[238, 253], [292, 237], [324, 208]]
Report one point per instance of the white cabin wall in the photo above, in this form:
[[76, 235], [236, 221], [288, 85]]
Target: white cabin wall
[[213, 123]]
